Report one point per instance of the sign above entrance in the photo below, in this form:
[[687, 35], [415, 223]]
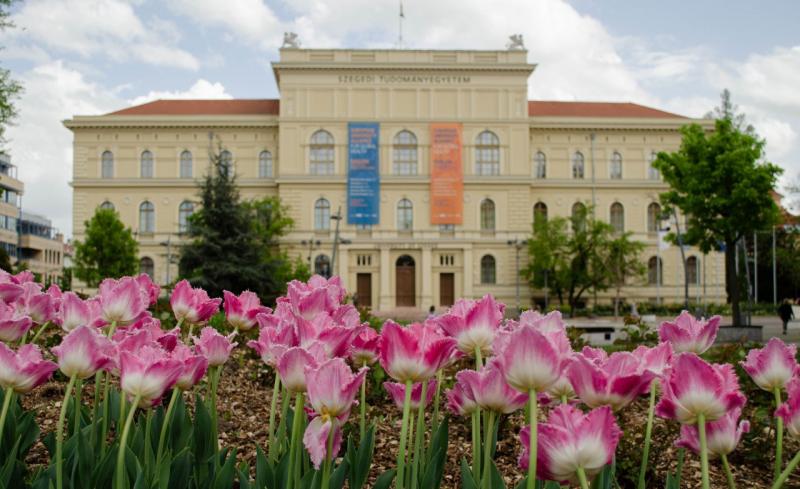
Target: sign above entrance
[[363, 173], [447, 177]]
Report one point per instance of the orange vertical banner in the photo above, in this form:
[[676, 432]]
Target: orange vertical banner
[[447, 177]]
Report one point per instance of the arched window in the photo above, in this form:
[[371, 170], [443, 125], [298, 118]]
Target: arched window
[[322, 215], [488, 270], [616, 166], [692, 275], [405, 215], [321, 153], [578, 216], [487, 215], [655, 271], [653, 217], [184, 211], [146, 168], [146, 266], [226, 162], [577, 165], [487, 154], [107, 165], [540, 165], [652, 173], [322, 265], [265, 164], [107, 205], [186, 164], [617, 217], [404, 153], [539, 214], [147, 217]]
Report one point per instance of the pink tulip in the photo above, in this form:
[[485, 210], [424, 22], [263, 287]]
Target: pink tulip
[[121, 301], [147, 373], [688, 334], [656, 359], [365, 347], [56, 295], [13, 325], [272, 342], [695, 387], [460, 400], [150, 291], [789, 411], [241, 311], [722, 435], [336, 338], [292, 364], [332, 388], [193, 366], [473, 324], [35, 304], [75, 312], [25, 369], [532, 360], [414, 353], [11, 285], [214, 346], [773, 366], [192, 305], [614, 382], [490, 390], [83, 352], [317, 296], [397, 392], [571, 440]]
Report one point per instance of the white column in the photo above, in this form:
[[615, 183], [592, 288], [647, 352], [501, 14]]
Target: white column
[[343, 268], [384, 291], [427, 278], [468, 273]]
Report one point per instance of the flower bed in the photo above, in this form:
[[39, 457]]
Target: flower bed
[[199, 408]]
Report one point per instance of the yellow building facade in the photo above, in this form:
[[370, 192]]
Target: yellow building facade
[[519, 159]]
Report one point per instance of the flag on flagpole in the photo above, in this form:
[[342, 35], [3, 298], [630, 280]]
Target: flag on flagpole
[[402, 15]]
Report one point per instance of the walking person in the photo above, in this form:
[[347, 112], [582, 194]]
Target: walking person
[[785, 312]]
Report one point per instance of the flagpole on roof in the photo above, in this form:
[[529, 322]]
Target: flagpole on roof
[[400, 27]]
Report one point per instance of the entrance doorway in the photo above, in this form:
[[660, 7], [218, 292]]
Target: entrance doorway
[[405, 281], [364, 289], [447, 289]]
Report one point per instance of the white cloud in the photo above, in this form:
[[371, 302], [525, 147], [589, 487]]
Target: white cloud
[[99, 28], [202, 89], [250, 20]]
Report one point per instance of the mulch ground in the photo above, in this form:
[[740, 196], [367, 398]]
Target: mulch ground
[[243, 405]]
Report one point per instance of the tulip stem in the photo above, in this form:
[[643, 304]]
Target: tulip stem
[[76, 428], [647, 435], [582, 478], [476, 444], [59, 432], [786, 472], [106, 385], [401, 452], [533, 401], [411, 443], [294, 460], [122, 407], [165, 424], [420, 436], [148, 445], [8, 395], [436, 398], [778, 435], [679, 468], [120, 476], [487, 451], [270, 433], [728, 473], [39, 332], [215, 371], [363, 408], [478, 359], [701, 428], [564, 399], [286, 398], [326, 469]]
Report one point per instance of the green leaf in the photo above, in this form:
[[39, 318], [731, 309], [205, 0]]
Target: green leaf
[[384, 480], [496, 478], [338, 476], [265, 473], [603, 479], [181, 470], [433, 466], [244, 477], [361, 459], [224, 478], [467, 477], [9, 465]]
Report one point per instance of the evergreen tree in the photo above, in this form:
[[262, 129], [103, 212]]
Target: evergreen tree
[[5, 261], [10, 89], [721, 184], [234, 244], [109, 249]]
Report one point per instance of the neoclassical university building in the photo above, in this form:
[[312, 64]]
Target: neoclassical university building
[[436, 161]]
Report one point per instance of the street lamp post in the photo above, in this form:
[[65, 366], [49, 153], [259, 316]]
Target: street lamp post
[[337, 239], [517, 244], [312, 244]]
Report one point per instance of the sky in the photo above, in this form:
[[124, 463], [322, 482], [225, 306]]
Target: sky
[[86, 57]]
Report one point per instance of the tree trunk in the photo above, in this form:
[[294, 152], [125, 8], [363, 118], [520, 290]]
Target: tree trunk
[[616, 304], [732, 282]]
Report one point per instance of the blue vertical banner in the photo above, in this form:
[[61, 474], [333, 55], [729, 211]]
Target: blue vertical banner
[[363, 173]]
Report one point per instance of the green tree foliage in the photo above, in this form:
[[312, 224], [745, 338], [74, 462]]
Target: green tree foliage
[[10, 89], [720, 182], [234, 244], [624, 263], [5, 261], [579, 254], [109, 249]]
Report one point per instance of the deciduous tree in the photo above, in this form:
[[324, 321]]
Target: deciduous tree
[[109, 249]]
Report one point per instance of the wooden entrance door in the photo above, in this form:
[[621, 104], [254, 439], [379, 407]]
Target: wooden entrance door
[[405, 282], [364, 289], [447, 289]]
